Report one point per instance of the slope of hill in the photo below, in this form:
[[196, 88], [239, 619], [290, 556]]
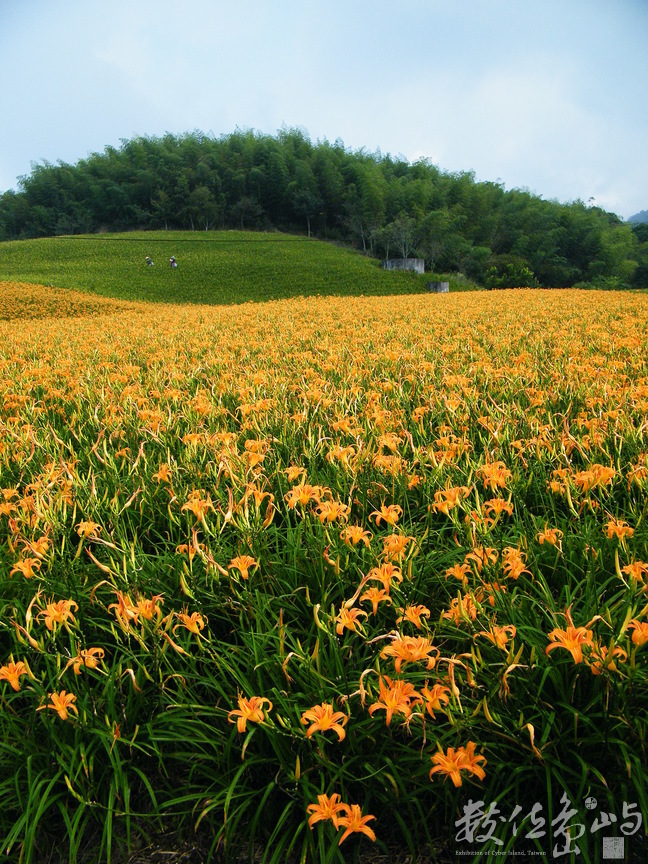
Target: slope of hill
[[639, 218], [213, 267], [381, 205]]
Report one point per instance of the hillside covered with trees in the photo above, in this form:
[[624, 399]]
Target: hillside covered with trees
[[383, 205]]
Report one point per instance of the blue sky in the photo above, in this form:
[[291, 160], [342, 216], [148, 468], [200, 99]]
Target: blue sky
[[551, 96]]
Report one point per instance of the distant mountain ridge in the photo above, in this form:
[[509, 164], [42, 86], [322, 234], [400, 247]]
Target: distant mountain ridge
[[641, 216]]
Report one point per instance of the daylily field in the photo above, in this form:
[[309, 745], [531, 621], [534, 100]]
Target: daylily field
[[305, 579]]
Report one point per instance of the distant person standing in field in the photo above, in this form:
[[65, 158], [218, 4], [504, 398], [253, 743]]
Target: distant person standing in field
[[172, 261], [149, 263]]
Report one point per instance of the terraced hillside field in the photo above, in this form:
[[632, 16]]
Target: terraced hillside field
[[213, 267], [324, 579]]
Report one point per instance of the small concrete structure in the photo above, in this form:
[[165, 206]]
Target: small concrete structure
[[437, 287], [416, 265]]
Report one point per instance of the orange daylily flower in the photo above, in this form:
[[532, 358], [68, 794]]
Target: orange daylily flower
[[259, 495], [389, 514], [58, 613], [12, 672], [419, 413], [194, 622], [395, 545], [355, 534], [572, 639], [410, 649], [395, 697], [88, 529], [191, 549], [242, 563], [340, 454], [148, 608], [499, 636], [322, 718], [332, 511], [489, 590], [476, 520], [461, 608], [640, 635], [303, 494], [326, 808], [197, 505], [459, 571], [89, 658], [637, 474], [494, 475], [596, 475], [249, 711], [347, 619], [636, 570], [498, 506], [435, 699], [293, 472], [125, 610], [601, 659], [385, 573], [344, 425], [163, 474], [39, 547], [482, 556], [7, 508], [62, 703], [558, 485], [193, 438], [513, 563], [355, 822], [447, 499], [453, 762], [414, 614], [375, 596], [27, 566], [550, 535], [618, 528]]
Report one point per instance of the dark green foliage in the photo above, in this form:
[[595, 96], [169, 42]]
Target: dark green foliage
[[510, 271], [213, 267], [640, 275], [380, 204]]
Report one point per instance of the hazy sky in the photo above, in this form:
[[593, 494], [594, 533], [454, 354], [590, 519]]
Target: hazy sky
[[549, 95]]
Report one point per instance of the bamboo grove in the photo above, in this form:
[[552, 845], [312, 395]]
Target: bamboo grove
[[379, 203]]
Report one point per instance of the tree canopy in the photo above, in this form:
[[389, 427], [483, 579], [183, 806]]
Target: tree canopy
[[385, 206]]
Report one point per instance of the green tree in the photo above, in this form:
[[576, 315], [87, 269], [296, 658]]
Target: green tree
[[277, 179], [304, 195], [379, 203], [246, 212], [308, 205], [435, 231], [403, 234], [202, 208], [509, 271]]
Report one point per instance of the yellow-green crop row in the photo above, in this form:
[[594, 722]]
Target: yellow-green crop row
[[213, 267]]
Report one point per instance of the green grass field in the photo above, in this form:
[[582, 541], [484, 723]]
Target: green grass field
[[213, 267]]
